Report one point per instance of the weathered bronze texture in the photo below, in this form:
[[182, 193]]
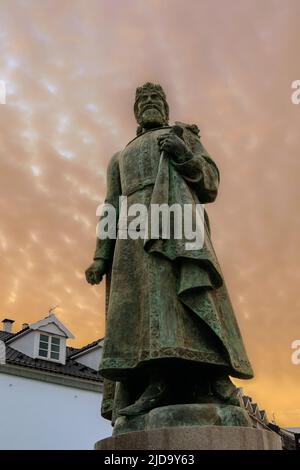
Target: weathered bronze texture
[[171, 334]]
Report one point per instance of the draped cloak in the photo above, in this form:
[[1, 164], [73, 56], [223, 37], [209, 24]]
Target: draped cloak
[[164, 301]]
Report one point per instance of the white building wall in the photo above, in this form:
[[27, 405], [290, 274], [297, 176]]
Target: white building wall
[[40, 415], [51, 328], [90, 358], [25, 343]]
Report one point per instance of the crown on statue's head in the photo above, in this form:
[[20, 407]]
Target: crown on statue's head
[[148, 87]]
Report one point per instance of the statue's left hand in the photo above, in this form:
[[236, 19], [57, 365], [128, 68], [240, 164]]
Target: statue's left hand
[[96, 271], [174, 147]]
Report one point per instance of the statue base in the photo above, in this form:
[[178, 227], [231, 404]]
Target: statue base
[[194, 438], [196, 426]]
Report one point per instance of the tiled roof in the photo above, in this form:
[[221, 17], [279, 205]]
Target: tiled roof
[[4, 335], [71, 351], [70, 368], [85, 348]]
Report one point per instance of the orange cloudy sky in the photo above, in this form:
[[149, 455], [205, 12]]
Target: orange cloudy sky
[[71, 68]]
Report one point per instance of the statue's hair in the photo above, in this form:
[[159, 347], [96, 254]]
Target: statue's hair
[[148, 87]]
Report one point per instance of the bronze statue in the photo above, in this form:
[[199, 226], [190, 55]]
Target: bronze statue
[[171, 334]]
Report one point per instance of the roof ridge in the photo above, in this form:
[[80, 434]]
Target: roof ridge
[[87, 346]]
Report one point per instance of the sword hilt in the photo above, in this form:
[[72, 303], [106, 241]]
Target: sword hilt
[[178, 130]]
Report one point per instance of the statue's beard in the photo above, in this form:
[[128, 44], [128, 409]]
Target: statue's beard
[[152, 117]]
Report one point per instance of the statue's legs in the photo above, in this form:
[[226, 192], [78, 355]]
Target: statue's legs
[[170, 382]]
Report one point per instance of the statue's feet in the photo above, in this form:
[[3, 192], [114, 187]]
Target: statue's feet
[[155, 395], [225, 390]]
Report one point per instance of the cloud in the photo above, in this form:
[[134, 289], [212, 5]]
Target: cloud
[[71, 69]]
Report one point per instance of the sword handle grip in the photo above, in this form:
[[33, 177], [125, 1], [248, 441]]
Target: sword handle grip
[[178, 130]]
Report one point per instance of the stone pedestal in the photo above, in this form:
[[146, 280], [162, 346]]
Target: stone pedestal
[[194, 438], [195, 426]]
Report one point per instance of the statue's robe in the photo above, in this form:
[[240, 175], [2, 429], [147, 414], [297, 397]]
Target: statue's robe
[[163, 301]]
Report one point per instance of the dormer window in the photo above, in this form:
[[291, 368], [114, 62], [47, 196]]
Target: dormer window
[[44, 339], [49, 347]]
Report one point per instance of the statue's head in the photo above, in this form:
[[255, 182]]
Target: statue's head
[[151, 108]]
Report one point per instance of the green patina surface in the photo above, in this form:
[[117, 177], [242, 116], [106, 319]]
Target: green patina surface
[[168, 309]]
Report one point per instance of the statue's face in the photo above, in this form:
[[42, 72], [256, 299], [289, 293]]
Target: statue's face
[[151, 110]]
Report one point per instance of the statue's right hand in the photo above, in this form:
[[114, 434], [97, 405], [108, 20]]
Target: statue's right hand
[[96, 271]]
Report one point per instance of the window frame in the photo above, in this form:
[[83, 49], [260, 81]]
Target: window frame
[[49, 349]]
